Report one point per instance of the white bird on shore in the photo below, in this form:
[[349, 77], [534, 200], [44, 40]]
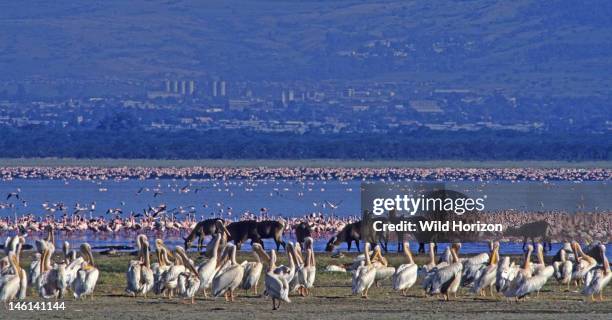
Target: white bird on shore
[[563, 269], [276, 284], [252, 270], [601, 278], [405, 275], [474, 266], [364, 276], [168, 281], [208, 269], [446, 280], [488, 276], [139, 274], [51, 281], [87, 275], [383, 270], [583, 265], [14, 282], [188, 281], [506, 272], [307, 272], [230, 278]]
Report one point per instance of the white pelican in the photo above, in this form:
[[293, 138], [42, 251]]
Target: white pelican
[[309, 270], [287, 271], [139, 274], [73, 264], [583, 265], [506, 272], [252, 270], [406, 274], [474, 266], [447, 279], [432, 259], [364, 276], [69, 255], [35, 266], [296, 254], [334, 268], [563, 269], [168, 281], [10, 245], [50, 282], [383, 271], [427, 271], [226, 281], [87, 275], [14, 284], [277, 286], [160, 267], [525, 282], [601, 278], [535, 283], [188, 281], [488, 276], [208, 269]]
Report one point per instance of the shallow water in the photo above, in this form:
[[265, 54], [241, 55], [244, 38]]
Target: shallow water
[[289, 198]]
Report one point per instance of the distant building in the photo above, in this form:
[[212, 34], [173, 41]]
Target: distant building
[[223, 89], [183, 87], [238, 104], [191, 87], [215, 89], [426, 106]]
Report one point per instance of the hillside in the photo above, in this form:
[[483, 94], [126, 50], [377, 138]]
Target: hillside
[[542, 47]]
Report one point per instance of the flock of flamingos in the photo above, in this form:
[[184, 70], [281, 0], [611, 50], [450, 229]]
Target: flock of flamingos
[[175, 274]]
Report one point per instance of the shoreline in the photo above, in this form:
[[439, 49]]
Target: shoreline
[[292, 163]]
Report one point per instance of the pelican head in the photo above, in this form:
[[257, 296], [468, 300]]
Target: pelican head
[[221, 226], [87, 254]]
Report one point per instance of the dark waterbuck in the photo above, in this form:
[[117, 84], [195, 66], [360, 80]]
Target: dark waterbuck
[[302, 230], [351, 232], [242, 231], [533, 230], [202, 229], [271, 229], [354, 232]]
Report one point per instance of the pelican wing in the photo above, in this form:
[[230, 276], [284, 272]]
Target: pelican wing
[[534, 283], [9, 287], [133, 277], [444, 277], [473, 268], [85, 282], [252, 273], [277, 287], [363, 278], [207, 272], [383, 273], [405, 276], [230, 278]]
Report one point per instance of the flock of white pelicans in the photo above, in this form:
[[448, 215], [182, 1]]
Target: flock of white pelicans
[[175, 274]]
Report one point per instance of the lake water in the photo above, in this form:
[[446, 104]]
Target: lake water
[[289, 198]]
